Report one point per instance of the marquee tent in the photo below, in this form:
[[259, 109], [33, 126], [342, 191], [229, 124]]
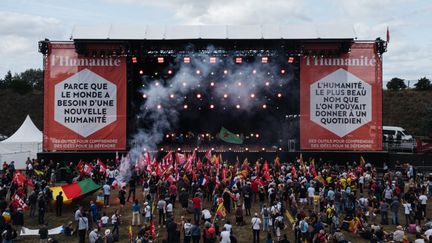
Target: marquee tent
[[25, 142]]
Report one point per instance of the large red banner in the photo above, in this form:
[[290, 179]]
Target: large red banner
[[341, 100], [85, 101]]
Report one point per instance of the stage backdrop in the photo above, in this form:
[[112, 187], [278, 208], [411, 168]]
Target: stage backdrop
[[85, 101], [340, 104]]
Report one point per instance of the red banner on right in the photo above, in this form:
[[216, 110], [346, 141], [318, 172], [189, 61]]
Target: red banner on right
[[341, 100]]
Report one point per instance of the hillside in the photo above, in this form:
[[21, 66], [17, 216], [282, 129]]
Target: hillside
[[409, 109]]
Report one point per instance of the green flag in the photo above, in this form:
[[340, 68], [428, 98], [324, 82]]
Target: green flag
[[229, 137]]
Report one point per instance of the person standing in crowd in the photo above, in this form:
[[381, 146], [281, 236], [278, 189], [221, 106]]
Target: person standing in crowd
[[256, 226], [147, 212], [225, 236], [94, 236], [107, 191], [115, 221], [394, 207], [197, 208], [83, 226], [161, 206], [59, 204], [132, 189], [136, 209], [196, 233], [187, 231], [122, 198], [42, 208]]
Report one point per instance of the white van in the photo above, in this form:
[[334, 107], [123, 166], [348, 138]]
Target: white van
[[395, 133]]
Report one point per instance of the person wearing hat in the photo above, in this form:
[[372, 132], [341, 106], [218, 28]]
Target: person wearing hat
[[108, 237], [256, 226], [398, 234], [147, 212]]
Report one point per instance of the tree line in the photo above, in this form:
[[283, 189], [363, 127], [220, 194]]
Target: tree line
[[24, 82], [396, 84]]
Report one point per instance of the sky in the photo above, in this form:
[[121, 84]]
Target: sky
[[24, 22]]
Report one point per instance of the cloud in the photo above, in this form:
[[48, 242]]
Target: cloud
[[233, 12], [19, 38]]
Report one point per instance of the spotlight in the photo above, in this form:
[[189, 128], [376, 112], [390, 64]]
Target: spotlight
[[212, 84], [254, 71], [290, 59], [238, 60], [160, 60], [161, 149], [171, 96], [184, 84], [186, 59], [211, 106], [212, 60], [169, 71], [252, 95], [229, 149], [267, 83], [141, 72], [198, 96], [264, 59], [212, 149], [178, 149], [207, 134], [252, 134], [144, 96], [159, 107], [198, 72], [247, 149], [157, 83], [225, 71], [239, 83], [279, 95], [264, 106], [280, 149], [257, 135], [134, 59], [185, 106], [263, 149], [238, 106], [225, 96], [283, 71], [167, 136]]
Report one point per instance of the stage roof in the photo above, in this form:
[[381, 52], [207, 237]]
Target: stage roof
[[232, 32]]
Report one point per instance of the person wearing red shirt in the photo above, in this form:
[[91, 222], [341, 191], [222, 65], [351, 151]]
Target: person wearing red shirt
[[197, 208]]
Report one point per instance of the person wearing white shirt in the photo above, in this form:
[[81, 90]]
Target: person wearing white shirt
[[82, 227], [107, 191], [169, 210], [407, 211], [225, 236], [311, 193], [256, 222], [147, 212], [228, 226], [423, 201], [206, 215], [93, 236], [428, 233]]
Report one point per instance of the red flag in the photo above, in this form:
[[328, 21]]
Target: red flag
[[208, 155], [152, 230], [388, 35], [180, 158], [167, 159], [224, 172], [18, 202], [18, 178], [102, 166], [80, 166], [88, 168], [117, 160], [266, 171], [312, 168]]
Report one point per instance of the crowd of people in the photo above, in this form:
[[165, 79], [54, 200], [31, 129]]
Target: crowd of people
[[184, 199]]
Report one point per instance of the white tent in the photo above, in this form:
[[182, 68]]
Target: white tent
[[25, 142]]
